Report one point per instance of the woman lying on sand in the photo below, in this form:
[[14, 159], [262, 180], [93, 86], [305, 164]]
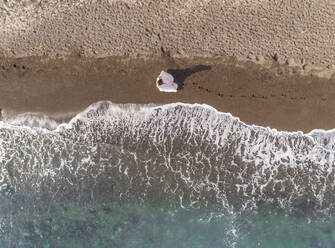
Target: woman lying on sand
[[165, 83]]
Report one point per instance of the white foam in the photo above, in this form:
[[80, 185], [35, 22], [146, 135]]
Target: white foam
[[325, 138], [31, 119], [190, 152], [271, 161]]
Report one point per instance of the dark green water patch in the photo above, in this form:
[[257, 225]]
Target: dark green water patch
[[133, 225], [111, 225], [285, 230]]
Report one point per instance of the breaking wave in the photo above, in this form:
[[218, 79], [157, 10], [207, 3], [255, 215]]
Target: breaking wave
[[187, 155], [33, 120]]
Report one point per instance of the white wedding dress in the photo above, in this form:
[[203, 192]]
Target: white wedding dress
[[168, 84]]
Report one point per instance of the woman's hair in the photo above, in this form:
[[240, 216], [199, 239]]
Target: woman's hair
[[160, 82]]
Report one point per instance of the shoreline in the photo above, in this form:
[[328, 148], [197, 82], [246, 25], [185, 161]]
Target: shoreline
[[269, 63], [268, 94]]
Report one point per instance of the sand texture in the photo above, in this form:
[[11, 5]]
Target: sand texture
[[295, 30], [271, 63], [273, 95]]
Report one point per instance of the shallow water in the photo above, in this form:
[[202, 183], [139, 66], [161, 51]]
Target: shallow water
[[132, 225], [239, 185]]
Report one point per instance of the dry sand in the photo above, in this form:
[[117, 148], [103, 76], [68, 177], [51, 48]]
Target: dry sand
[[269, 95], [98, 28], [60, 56]]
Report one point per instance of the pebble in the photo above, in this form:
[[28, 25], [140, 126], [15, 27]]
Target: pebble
[[276, 57], [251, 57], [331, 67], [307, 67], [290, 62], [260, 59], [326, 74], [182, 52], [303, 61]]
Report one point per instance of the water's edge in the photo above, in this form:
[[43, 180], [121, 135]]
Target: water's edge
[[185, 159]]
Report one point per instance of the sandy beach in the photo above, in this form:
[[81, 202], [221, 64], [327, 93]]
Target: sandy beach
[[269, 95], [299, 30], [182, 175], [270, 63]]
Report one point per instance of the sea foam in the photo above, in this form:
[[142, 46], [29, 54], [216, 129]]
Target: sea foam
[[187, 154]]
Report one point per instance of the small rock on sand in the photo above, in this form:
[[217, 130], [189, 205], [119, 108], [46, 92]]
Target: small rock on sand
[[251, 57], [303, 61], [260, 59], [276, 57], [326, 74], [307, 67], [331, 67], [279, 59], [290, 62]]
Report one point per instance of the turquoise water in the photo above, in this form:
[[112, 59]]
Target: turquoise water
[[132, 225]]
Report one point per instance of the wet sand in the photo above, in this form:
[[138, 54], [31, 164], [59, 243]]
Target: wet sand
[[86, 51], [269, 95]]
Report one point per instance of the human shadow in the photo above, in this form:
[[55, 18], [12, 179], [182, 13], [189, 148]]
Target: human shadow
[[181, 74]]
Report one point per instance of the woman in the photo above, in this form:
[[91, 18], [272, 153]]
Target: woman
[[165, 82]]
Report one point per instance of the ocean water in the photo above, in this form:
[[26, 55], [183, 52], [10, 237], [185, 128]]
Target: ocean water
[[176, 175]]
